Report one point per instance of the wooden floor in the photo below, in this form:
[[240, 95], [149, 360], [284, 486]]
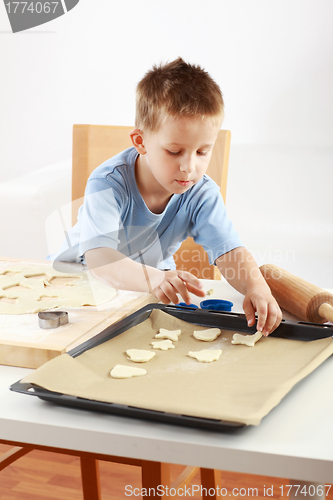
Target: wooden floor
[[49, 476]]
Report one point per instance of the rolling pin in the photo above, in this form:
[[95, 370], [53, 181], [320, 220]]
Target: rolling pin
[[306, 301]]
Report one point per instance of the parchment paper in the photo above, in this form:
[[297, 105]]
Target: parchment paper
[[242, 386]]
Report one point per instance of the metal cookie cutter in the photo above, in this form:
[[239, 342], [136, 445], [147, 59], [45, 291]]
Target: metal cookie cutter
[[52, 319]]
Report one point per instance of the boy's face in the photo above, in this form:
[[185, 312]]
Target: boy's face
[[177, 155]]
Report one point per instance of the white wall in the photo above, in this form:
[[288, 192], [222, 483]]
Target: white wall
[[272, 58]]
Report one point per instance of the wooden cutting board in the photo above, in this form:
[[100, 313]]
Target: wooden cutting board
[[24, 344]]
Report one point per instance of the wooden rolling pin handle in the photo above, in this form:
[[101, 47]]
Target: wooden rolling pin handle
[[298, 296], [326, 312]]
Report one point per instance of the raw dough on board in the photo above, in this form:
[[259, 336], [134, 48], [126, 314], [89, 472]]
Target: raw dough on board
[[30, 289], [248, 340], [206, 355], [140, 355], [168, 334], [207, 335], [123, 371], [164, 345]]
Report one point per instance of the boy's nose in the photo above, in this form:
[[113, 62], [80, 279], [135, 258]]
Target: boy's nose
[[188, 165]]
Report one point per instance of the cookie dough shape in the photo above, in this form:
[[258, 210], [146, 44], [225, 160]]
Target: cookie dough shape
[[164, 345], [248, 340], [30, 289], [168, 334], [123, 371], [206, 355], [207, 335], [140, 355]]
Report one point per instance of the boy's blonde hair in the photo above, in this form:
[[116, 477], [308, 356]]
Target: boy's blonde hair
[[176, 89]]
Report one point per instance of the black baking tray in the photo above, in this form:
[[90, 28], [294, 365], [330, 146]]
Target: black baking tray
[[292, 330]]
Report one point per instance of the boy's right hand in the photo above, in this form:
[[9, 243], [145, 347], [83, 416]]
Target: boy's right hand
[[181, 282]]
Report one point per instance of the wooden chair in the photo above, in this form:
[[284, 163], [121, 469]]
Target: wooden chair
[[153, 473], [93, 144]]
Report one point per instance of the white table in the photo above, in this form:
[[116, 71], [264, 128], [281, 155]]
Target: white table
[[294, 440]]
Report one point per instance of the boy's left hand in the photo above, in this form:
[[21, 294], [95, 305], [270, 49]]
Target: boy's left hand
[[261, 301]]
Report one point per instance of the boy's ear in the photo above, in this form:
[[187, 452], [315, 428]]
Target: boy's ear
[[137, 139]]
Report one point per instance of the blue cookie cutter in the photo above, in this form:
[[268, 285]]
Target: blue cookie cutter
[[216, 305], [183, 304]]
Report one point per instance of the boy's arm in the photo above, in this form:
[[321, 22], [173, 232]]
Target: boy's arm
[[120, 272], [241, 271]]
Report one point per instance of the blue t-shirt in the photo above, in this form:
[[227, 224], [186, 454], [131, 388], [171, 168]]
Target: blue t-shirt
[[115, 215]]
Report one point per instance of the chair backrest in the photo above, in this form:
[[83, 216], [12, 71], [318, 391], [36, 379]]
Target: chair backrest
[[93, 144]]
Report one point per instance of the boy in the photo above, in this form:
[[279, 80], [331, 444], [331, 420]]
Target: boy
[[140, 205]]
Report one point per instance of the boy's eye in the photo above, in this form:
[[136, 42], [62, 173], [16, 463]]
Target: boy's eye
[[202, 153], [173, 153]]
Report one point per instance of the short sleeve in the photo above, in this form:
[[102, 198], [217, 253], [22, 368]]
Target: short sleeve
[[100, 217], [211, 227]]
